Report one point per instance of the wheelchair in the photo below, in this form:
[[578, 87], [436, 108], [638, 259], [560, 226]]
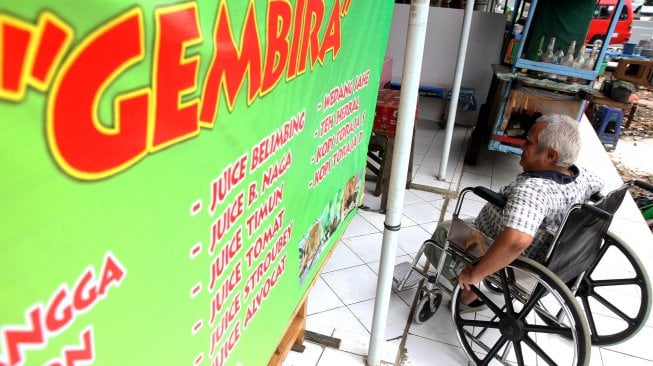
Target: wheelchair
[[544, 313]]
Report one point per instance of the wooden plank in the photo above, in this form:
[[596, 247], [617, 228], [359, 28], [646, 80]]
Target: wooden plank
[[294, 337], [322, 339]]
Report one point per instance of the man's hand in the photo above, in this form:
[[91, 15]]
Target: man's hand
[[506, 248], [466, 278]]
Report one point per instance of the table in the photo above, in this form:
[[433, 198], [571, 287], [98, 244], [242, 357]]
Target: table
[[382, 142], [465, 97]]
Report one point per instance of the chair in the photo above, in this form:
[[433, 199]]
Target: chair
[[607, 123], [379, 162], [376, 158], [533, 307]]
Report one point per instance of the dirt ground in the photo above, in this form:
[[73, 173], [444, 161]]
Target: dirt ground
[[633, 156]]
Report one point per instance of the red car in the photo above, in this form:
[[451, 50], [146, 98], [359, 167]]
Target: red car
[[601, 20]]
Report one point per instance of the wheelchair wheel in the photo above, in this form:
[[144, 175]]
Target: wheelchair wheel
[[616, 308], [492, 283], [511, 330], [492, 287], [428, 304]]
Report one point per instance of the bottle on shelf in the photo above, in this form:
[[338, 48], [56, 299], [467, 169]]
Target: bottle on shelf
[[548, 55], [558, 56], [568, 60], [591, 60], [540, 52], [580, 58]]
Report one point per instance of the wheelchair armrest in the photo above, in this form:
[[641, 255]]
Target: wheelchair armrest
[[490, 196]]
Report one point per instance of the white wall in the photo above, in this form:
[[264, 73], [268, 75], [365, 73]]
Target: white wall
[[441, 50]]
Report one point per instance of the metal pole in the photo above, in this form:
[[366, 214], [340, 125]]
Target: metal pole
[[457, 79], [417, 19]]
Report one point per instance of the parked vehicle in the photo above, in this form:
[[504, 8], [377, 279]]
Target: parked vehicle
[[637, 6], [647, 8], [601, 20]]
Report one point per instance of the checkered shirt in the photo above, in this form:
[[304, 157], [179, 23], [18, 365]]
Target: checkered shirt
[[536, 206]]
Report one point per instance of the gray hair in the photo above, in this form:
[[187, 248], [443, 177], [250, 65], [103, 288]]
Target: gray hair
[[560, 133]]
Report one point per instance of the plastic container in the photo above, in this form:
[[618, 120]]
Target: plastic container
[[629, 48], [604, 65], [647, 52]]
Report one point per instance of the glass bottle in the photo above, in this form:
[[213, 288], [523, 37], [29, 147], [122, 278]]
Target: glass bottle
[[548, 55], [558, 56], [589, 63], [540, 52], [568, 60], [580, 58]]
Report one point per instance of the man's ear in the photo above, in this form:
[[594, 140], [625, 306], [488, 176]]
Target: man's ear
[[551, 156]]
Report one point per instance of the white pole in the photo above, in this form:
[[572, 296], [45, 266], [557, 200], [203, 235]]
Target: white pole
[[418, 17], [457, 79]]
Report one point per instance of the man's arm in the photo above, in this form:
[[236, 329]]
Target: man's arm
[[509, 245]]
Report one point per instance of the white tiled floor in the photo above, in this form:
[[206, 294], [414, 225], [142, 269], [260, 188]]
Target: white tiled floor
[[341, 303]]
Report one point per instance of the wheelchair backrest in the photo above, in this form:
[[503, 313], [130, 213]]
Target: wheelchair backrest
[[579, 239]]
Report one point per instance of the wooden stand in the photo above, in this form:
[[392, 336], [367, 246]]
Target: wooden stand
[[295, 333], [528, 100], [294, 337], [522, 96], [636, 71]]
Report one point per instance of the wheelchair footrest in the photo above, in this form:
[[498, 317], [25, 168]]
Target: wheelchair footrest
[[400, 272]]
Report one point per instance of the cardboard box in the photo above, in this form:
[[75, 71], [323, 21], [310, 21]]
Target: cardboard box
[[385, 115]]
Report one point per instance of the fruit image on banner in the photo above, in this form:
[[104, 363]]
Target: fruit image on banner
[[174, 174]]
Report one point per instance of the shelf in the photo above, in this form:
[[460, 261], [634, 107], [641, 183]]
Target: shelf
[[569, 71], [552, 85], [523, 63]]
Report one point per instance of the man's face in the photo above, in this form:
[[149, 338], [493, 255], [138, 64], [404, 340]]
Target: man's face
[[531, 159]]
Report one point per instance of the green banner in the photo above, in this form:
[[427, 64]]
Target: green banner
[[174, 174]]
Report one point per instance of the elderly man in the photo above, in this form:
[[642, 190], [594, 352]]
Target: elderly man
[[536, 203]]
